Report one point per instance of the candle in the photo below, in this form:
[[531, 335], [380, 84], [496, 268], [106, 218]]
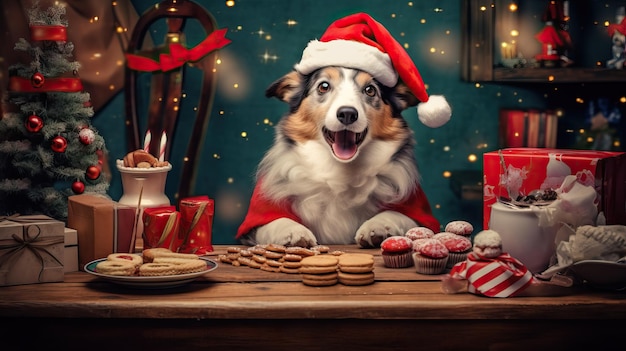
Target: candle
[[162, 148], [146, 141]]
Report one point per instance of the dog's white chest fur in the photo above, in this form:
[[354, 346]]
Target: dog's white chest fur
[[333, 199]]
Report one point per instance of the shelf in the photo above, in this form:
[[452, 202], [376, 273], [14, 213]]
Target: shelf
[[483, 20], [558, 75]]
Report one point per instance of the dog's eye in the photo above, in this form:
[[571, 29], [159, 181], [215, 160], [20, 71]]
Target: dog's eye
[[370, 90], [323, 87]]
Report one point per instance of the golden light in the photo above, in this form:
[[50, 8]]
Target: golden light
[[580, 100], [423, 20], [513, 7], [432, 50], [472, 158], [244, 134], [514, 33], [622, 99], [551, 78], [483, 8], [589, 139], [447, 174], [230, 3]]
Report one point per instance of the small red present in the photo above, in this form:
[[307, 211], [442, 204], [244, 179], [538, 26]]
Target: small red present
[[196, 224], [513, 172], [160, 227]]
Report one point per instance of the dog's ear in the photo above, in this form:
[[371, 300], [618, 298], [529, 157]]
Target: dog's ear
[[286, 87], [402, 97]]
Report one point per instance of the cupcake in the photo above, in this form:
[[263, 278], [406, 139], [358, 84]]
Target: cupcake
[[396, 252], [460, 228], [419, 233], [430, 256], [458, 247], [488, 244]]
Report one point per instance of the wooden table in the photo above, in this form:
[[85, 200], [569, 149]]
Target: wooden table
[[241, 307]]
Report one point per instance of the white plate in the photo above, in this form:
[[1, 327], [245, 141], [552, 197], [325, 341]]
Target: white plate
[[601, 273], [157, 282]]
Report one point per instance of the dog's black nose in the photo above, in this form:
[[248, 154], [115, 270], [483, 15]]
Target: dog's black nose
[[347, 115]]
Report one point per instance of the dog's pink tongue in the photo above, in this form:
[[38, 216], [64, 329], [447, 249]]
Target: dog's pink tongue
[[344, 146]]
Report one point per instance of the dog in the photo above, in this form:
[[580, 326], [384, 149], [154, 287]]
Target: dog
[[342, 165]]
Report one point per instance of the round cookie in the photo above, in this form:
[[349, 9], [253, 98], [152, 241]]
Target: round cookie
[[355, 279], [356, 263], [326, 279], [319, 264], [137, 260], [118, 268]]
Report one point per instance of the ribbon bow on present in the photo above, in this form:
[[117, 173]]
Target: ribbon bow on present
[[179, 55], [502, 276]]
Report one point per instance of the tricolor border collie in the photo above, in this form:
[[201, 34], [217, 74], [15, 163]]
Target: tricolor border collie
[[342, 168]]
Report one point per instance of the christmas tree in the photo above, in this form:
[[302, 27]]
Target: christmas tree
[[48, 147]]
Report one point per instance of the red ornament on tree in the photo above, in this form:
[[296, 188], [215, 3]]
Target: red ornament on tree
[[37, 80], [59, 144], [34, 123], [86, 136], [93, 172], [78, 187]]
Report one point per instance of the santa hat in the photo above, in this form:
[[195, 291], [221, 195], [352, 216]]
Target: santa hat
[[358, 41]]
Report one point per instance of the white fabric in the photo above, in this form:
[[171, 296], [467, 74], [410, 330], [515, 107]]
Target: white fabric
[[349, 54]]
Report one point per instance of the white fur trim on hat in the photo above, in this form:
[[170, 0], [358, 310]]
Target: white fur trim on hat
[[435, 112], [349, 54]]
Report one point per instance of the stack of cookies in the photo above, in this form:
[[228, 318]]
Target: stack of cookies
[[319, 270], [356, 269]]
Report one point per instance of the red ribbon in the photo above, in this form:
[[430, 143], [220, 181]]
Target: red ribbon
[[64, 85], [52, 33], [179, 55]]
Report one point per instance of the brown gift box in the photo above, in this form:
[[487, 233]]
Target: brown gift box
[[31, 250], [92, 217]]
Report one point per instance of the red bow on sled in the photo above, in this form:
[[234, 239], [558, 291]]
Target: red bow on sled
[[178, 54]]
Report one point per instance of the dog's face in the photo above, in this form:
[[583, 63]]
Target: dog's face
[[342, 108]]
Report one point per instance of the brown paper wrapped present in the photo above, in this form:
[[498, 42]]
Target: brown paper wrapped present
[[31, 250]]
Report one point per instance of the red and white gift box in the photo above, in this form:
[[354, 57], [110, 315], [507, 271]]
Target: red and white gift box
[[524, 170], [31, 250]]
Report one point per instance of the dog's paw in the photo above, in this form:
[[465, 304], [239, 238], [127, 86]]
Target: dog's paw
[[383, 225], [284, 231]]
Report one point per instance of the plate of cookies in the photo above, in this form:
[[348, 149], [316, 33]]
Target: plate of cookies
[[152, 269]]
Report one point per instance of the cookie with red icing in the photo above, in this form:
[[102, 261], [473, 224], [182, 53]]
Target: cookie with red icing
[[460, 227], [458, 247], [396, 252], [430, 256], [419, 233]]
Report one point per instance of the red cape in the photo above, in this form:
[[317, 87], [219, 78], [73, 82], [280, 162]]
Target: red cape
[[262, 211]]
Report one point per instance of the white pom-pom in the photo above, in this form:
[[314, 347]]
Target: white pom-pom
[[435, 112]]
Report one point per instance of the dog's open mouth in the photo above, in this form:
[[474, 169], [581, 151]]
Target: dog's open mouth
[[344, 143]]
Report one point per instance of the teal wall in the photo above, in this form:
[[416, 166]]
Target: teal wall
[[229, 160]]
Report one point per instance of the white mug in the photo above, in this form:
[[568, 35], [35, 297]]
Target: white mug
[[522, 237]]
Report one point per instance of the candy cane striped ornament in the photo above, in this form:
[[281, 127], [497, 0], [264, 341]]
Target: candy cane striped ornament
[[502, 276]]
